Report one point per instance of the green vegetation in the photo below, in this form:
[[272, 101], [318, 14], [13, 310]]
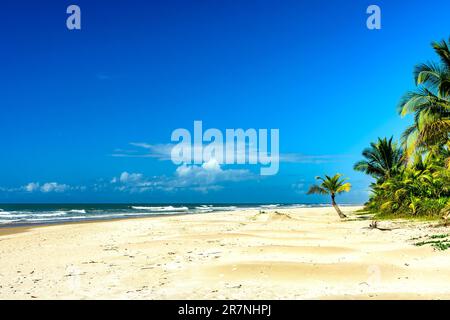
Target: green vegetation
[[437, 244], [412, 179], [332, 186], [439, 236]]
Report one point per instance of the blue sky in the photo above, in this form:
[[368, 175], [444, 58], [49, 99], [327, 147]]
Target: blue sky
[[71, 100]]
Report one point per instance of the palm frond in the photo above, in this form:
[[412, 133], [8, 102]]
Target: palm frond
[[315, 189]]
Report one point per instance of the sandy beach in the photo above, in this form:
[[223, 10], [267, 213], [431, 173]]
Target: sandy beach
[[306, 253]]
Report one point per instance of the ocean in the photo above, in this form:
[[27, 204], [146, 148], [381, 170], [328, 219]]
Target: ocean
[[27, 214]]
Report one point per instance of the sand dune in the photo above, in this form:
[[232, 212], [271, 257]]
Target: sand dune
[[290, 254]]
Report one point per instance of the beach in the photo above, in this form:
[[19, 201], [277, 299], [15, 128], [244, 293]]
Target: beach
[[299, 253]]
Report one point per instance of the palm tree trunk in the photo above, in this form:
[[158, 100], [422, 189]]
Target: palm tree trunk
[[336, 207]]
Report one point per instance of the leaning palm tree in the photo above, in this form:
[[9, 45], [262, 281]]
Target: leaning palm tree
[[383, 159], [430, 104], [332, 186]]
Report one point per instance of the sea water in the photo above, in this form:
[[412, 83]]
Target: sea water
[[26, 214]]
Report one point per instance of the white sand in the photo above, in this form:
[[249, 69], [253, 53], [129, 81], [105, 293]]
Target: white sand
[[301, 254]]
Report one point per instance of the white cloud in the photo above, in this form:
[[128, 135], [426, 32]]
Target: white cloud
[[156, 151], [132, 178], [201, 178], [209, 173], [32, 186], [133, 182], [49, 187], [54, 187], [163, 152], [206, 189]]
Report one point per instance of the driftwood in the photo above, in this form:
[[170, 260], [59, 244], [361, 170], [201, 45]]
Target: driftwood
[[374, 225]]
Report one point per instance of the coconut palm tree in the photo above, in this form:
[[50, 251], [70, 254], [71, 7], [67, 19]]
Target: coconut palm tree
[[332, 186], [415, 179], [435, 75], [383, 159], [430, 103]]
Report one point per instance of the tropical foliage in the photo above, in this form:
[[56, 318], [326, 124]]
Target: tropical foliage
[[383, 160], [332, 186], [414, 178]]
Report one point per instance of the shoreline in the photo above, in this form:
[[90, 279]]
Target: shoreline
[[252, 206], [9, 229], [303, 253]]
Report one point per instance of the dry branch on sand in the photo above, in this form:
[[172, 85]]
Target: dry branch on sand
[[374, 225]]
